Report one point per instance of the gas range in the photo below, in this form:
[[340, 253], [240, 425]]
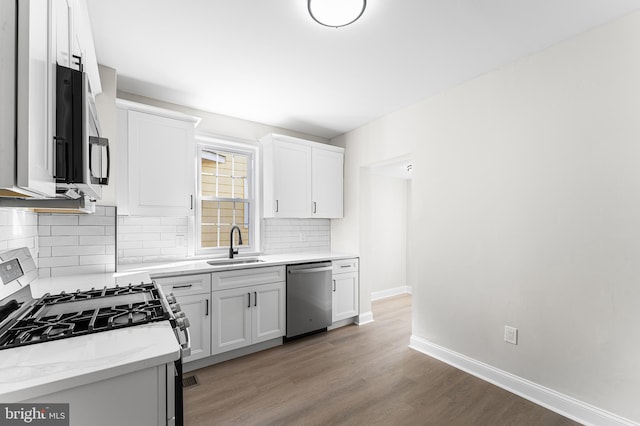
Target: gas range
[[25, 320], [64, 315]]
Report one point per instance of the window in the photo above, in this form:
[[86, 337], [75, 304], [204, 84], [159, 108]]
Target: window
[[226, 195]]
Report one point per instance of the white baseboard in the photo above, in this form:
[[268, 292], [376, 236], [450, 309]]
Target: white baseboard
[[562, 404], [390, 292], [364, 318]]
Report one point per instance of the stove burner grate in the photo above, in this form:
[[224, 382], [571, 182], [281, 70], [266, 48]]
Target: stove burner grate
[[37, 327]]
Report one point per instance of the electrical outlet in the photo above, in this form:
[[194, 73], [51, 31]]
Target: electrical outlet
[[511, 335]]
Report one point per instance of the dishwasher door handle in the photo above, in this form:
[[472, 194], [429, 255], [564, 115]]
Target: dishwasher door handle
[[310, 270]]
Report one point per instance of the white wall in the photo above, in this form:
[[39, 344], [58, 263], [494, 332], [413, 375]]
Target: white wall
[[525, 210], [106, 110], [220, 124]]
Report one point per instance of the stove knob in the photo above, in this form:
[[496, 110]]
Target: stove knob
[[171, 298], [180, 315], [175, 307], [183, 323]]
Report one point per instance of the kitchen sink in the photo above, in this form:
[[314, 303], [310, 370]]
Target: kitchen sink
[[236, 261]]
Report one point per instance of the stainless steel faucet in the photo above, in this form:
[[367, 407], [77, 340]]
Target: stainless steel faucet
[[231, 250]]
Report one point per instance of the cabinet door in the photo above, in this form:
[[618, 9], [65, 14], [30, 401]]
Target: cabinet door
[[326, 181], [292, 180], [62, 25], [231, 321], [196, 308], [161, 165], [35, 103], [345, 296], [269, 316]]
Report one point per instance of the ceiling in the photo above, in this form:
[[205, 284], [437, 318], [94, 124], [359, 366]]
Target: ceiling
[[268, 61]]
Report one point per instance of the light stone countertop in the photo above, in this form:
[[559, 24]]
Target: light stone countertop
[[39, 369], [36, 370], [200, 266]]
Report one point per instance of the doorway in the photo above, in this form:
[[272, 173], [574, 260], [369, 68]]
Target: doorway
[[386, 196]]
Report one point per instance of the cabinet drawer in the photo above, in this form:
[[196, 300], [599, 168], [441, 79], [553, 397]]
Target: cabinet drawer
[[185, 285], [247, 277], [345, 265]]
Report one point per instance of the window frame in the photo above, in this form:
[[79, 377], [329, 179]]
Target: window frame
[[237, 146]]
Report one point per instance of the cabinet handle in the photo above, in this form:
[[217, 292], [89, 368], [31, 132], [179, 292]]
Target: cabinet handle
[[182, 286], [191, 201], [277, 206], [78, 62], [255, 298], [315, 209], [334, 285], [206, 312], [249, 297], [345, 266]]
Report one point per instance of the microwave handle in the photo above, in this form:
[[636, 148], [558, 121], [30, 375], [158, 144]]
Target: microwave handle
[[102, 142]]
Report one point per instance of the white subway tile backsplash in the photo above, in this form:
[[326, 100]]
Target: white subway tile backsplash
[[92, 240], [96, 220], [97, 260], [58, 241], [58, 219], [173, 221], [52, 262], [139, 220], [159, 244], [77, 270], [130, 229], [141, 252], [77, 230], [148, 239], [77, 244], [23, 242], [77, 250], [73, 244], [159, 228], [138, 236], [126, 260], [130, 244], [296, 235]]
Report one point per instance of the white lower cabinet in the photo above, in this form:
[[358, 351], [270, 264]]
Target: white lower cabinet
[[196, 308], [193, 294], [345, 300], [247, 315], [142, 398]]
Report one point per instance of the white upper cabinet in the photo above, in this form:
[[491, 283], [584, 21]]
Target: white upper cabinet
[[301, 179], [327, 171], [81, 43], [157, 161], [36, 99], [291, 180], [62, 15]]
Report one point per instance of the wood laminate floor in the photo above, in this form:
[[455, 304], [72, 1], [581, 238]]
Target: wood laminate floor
[[353, 376]]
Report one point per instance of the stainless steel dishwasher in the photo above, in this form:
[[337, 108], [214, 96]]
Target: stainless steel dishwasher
[[308, 298]]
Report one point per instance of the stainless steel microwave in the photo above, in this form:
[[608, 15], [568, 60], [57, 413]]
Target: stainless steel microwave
[[82, 159]]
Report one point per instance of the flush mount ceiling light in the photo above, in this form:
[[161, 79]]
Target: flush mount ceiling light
[[336, 13]]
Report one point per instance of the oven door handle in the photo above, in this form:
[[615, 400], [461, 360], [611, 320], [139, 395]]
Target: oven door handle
[[185, 347]]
